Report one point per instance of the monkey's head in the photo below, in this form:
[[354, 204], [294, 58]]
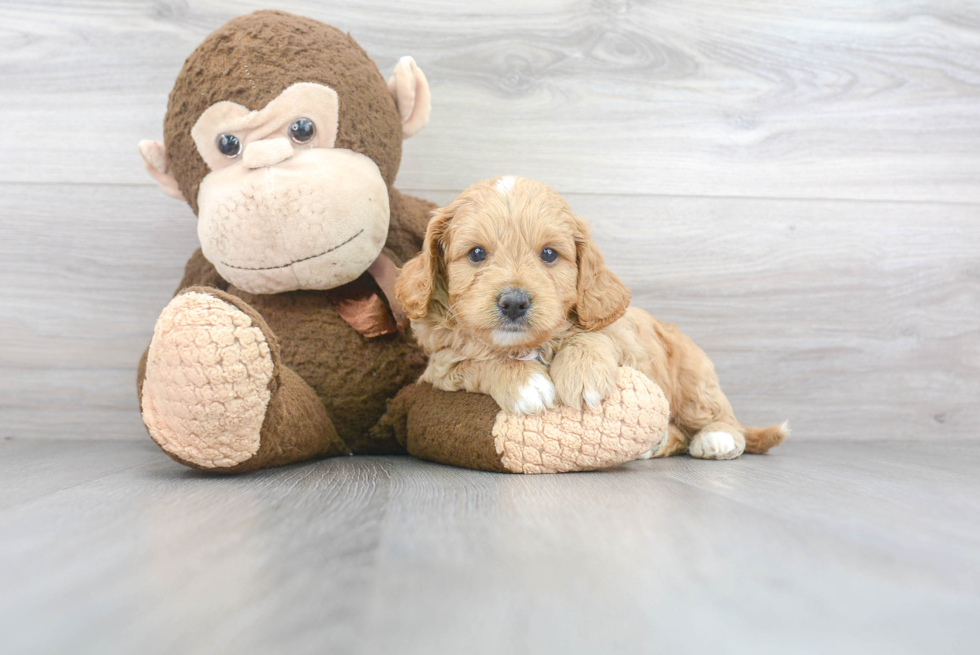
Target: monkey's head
[[284, 139]]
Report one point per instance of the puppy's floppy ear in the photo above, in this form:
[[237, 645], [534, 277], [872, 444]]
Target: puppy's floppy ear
[[419, 276], [602, 298]]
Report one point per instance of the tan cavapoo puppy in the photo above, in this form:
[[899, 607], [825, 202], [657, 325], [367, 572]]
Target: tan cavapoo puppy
[[510, 297]]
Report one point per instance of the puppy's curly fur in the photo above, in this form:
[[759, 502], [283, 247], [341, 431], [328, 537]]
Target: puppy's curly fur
[[511, 297]]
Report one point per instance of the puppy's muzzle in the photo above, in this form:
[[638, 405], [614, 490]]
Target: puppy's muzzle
[[513, 304]]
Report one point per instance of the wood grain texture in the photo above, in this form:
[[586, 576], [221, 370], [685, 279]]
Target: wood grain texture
[[842, 99], [819, 547], [796, 186], [850, 319]]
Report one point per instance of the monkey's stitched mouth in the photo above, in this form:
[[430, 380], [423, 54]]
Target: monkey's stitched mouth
[[272, 268]]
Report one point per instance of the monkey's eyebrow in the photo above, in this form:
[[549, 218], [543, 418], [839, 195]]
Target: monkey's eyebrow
[[317, 102], [270, 268], [225, 113], [300, 97]]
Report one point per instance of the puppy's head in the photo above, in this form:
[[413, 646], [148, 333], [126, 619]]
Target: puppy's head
[[509, 263]]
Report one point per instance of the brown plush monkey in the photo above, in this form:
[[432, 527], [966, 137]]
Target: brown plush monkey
[[284, 138], [284, 342]]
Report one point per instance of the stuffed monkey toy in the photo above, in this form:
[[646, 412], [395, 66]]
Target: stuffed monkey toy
[[284, 341]]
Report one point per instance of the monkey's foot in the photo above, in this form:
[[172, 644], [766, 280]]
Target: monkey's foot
[[208, 382], [626, 425]]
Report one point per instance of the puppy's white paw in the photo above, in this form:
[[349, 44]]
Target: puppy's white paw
[[583, 377], [572, 393], [584, 387], [715, 445], [536, 395]]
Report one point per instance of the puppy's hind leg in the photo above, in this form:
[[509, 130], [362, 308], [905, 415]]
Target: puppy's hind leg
[[728, 440], [708, 417], [718, 434], [700, 407], [718, 440]]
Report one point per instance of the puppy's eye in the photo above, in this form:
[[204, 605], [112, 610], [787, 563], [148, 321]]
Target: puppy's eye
[[302, 130], [229, 145], [549, 256], [477, 255]]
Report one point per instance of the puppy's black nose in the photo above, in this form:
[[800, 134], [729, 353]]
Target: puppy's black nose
[[513, 303]]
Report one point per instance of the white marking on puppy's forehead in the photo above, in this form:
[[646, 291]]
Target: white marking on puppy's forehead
[[506, 183]]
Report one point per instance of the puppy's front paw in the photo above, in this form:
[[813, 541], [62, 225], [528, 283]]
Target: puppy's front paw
[[535, 395], [583, 378], [588, 390]]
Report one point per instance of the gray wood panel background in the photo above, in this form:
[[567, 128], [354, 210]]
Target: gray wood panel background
[[796, 184]]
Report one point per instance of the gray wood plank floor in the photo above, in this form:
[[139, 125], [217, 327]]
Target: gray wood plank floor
[[820, 547]]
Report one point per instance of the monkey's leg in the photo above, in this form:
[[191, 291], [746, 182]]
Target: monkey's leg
[[215, 395], [470, 430]]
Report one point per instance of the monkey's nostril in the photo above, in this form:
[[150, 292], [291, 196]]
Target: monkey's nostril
[[514, 303]]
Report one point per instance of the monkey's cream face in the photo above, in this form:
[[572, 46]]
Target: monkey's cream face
[[282, 209]]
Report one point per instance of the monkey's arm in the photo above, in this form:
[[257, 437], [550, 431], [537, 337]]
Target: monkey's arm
[[470, 429]]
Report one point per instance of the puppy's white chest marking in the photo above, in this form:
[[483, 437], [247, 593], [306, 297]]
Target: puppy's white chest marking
[[535, 396], [533, 356]]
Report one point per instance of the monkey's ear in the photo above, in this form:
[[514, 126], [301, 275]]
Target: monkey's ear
[[154, 155], [410, 90]]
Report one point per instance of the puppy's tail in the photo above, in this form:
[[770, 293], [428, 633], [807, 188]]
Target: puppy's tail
[[760, 440]]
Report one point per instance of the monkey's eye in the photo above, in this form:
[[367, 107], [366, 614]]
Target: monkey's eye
[[477, 255], [549, 256], [302, 130], [229, 145]]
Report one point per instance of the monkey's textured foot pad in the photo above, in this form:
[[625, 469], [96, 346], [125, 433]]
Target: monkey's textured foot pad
[[630, 421], [207, 382]]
